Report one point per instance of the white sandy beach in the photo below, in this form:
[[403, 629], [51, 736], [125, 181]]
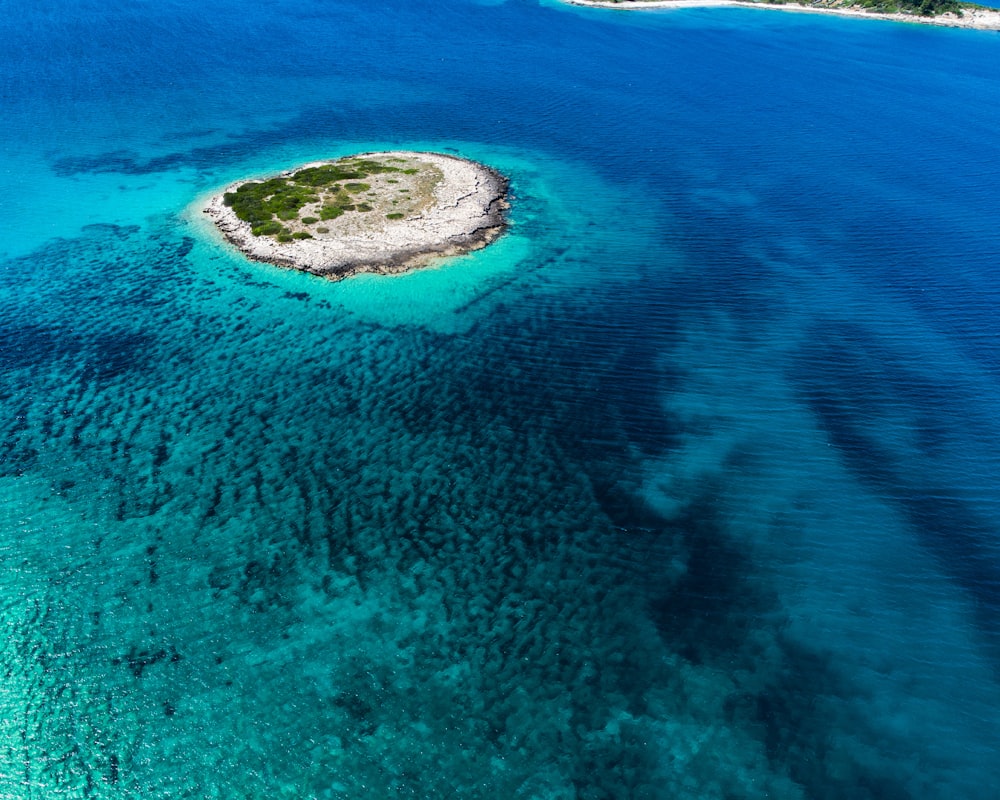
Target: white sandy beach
[[466, 213], [977, 19]]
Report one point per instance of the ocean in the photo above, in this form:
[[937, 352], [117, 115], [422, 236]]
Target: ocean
[[687, 487]]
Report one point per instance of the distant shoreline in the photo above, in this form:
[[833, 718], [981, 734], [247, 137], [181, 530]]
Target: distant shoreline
[[974, 17]]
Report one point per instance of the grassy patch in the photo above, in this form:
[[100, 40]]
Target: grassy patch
[[269, 228], [924, 8], [262, 202], [267, 204], [258, 202]]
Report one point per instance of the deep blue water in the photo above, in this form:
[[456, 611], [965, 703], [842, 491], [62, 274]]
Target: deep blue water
[[687, 487]]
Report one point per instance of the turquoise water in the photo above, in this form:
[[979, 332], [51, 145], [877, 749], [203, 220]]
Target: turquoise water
[[687, 487]]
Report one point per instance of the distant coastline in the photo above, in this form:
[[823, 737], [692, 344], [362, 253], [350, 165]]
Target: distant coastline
[[384, 213], [973, 16]]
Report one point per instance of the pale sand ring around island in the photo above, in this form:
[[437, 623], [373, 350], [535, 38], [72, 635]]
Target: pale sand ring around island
[[426, 206], [975, 18]]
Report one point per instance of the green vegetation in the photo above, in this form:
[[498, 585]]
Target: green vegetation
[[394, 215], [924, 8], [270, 228], [266, 204], [931, 8], [259, 202]]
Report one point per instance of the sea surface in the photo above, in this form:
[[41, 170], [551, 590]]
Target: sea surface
[[688, 487]]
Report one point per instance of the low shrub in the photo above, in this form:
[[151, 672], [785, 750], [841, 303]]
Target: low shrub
[[325, 174], [269, 228]]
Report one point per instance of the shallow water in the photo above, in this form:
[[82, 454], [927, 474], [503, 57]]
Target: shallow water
[[685, 488]]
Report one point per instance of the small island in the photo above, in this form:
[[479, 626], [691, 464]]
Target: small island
[[948, 13], [384, 213]]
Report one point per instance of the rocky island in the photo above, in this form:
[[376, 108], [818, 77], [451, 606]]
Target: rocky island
[[375, 212]]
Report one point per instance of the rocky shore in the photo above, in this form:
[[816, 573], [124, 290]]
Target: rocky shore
[[384, 213]]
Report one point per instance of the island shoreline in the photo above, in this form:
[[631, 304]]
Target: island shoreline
[[983, 19], [470, 212]]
